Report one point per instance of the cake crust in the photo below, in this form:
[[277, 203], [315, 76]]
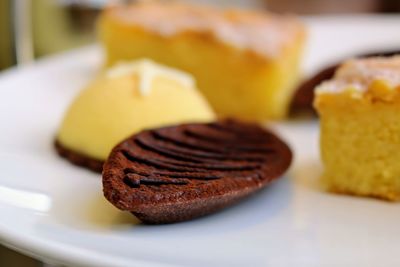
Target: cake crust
[[360, 74], [179, 173], [303, 98], [263, 34]]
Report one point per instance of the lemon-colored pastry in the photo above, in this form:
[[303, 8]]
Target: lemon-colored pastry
[[126, 99], [360, 128], [245, 63]]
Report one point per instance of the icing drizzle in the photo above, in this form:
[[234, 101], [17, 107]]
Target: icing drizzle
[[147, 71]]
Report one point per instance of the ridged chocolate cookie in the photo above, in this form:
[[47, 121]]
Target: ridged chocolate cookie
[[182, 172]]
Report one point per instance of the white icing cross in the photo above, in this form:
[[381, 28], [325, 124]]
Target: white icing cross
[[147, 71]]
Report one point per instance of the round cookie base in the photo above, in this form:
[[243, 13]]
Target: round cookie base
[[78, 159]]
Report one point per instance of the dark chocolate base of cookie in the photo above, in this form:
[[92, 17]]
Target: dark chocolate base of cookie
[[189, 210], [78, 159], [302, 101]]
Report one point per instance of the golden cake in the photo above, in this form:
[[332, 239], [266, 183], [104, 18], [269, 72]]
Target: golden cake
[[360, 128], [127, 99], [246, 63]]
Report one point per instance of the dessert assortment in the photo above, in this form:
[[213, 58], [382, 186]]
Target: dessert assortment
[[360, 129], [173, 121]]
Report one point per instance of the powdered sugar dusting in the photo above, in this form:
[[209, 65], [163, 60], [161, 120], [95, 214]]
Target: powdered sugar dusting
[[358, 74], [266, 35]]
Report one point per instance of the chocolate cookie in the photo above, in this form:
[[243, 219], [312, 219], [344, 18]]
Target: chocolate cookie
[[78, 159], [181, 172], [302, 101]]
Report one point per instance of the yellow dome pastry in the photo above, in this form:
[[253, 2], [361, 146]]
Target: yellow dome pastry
[[124, 100], [360, 128], [245, 62]]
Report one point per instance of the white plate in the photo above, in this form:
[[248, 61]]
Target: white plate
[[55, 211]]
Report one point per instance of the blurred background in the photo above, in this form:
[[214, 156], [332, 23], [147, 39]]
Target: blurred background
[[30, 29]]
